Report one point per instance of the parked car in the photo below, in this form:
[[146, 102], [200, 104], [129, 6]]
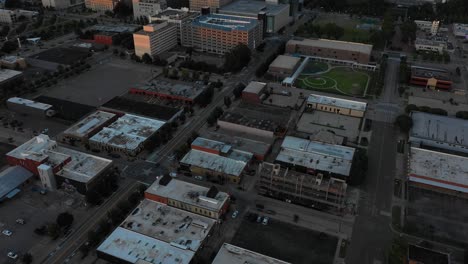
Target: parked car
[[173, 174], [259, 219], [7, 232], [12, 255], [265, 220], [198, 177], [234, 215], [20, 221]]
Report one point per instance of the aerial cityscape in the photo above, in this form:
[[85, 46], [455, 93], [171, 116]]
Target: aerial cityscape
[[234, 131]]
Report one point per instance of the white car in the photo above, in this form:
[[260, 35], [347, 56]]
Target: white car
[[197, 177], [265, 220], [234, 215], [12, 255], [173, 174], [7, 232]]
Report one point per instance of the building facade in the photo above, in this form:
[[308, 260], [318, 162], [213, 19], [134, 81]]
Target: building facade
[[422, 44], [101, 5], [253, 92], [12, 16], [284, 66], [428, 26], [335, 49], [214, 5], [155, 39], [62, 4], [215, 33], [336, 105], [175, 16], [147, 8]]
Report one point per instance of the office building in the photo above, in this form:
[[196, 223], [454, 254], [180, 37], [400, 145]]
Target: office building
[[230, 254], [155, 39], [434, 45], [172, 90], [147, 8], [216, 33], [62, 4], [428, 26], [190, 197], [12, 16], [101, 5], [175, 16], [336, 105], [335, 49], [431, 78], [273, 16], [213, 5]]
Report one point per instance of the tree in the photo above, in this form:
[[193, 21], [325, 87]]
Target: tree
[[64, 220], [227, 101], [462, 114], [410, 108], [237, 58], [397, 253], [238, 90], [458, 71], [146, 58], [27, 258], [404, 122], [122, 10], [53, 230], [9, 46], [93, 197], [359, 169]]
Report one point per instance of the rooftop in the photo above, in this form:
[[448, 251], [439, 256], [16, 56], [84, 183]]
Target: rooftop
[[225, 22], [6, 74], [132, 247], [122, 28], [439, 169], [34, 148], [29, 103], [252, 8], [89, 123], [238, 118], [11, 58], [129, 131], [337, 102], [439, 74], [154, 27], [254, 87], [171, 225], [241, 142], [12, 177], [430, 42], [285, 62], [333, 44], [446, 129], [232, 164], [188, 193], [230, 254], [174, 14], [174, 88], [316, 155]]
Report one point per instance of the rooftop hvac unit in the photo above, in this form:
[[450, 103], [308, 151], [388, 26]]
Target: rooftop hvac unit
[[276, 169], [318, 180]]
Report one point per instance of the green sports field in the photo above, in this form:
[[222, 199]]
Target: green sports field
[[333, 79]]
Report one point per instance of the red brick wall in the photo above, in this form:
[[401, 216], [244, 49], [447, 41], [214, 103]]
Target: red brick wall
[[156, 198]]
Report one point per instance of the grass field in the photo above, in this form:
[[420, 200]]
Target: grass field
[[339, 80]]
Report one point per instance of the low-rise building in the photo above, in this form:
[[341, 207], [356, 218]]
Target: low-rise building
[[8, 76], [419, 254], [216, 159], [58, 166], [438, 171], [146, 8], [253, 92], [284, 66], [431, 78], [435, 45], [336, 105], [12, 16], [335, 49], [127, 134], [274, 16], [13, 62], [171, 90], [211, 5], [230, 254], [241, 123], [316, 157], [101, 5], [440, 132], [62, 4], [11, 181], [25, 106], [428, 26], [89, 126], [189, 197], [175, 16], [460, 30], [155, 39]]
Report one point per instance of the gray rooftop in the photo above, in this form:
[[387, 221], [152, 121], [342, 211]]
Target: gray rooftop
[[232, 164], [117, 28], [252, 8], [12, 177], [89, 123], [29, 103], [334, 44], [254, 87], [188, 193], [174, 88], [6, 74], [34, 148], [337, 102], [285, 62], [230, 254], [316, 155]]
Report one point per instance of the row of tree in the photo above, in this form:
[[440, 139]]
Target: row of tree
[[213, 117], [426, 109], [263, 68], [103, 188]]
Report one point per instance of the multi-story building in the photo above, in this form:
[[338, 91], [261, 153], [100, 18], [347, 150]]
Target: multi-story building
[[284, 66], [273, 16], [428, 26], [155, 39], [189, 197], [435, 79], [230, 254], [214, 5], [88, 126], [175, 16], [62, 4], [216, 33], [460, 30], [336, 105], [147, 8], [101, 5], [11, 16], [335, 49], [33, 108], [435, 45]]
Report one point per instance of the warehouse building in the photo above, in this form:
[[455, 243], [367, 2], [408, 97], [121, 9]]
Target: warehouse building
[[8, 76], [439, 132], [171, 90], [127, 134], [89, 126], [335, 49], [217, 33], [253, 92], [13, 62], [155, 39], [273, 16], [336, 105], [190, 197], [28, 107], [316, 157], [438, 171], [57, 166], [230, 254], [175, 16], [11, 180], [284, 66], [434, 79]]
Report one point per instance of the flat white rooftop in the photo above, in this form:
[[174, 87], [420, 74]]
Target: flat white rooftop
[[333, 44], [89, 123], [233, 164], [230, 254], [128, 132], [132, 247], [337, 102], [29, 103], [169, 224], [439, 169], [6, 74], [34, 148], [188, 193], [316, 155], [254, 87], [285, 62]]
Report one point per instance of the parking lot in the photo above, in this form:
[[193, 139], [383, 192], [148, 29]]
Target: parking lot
[[36, 210], [287, 242]]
